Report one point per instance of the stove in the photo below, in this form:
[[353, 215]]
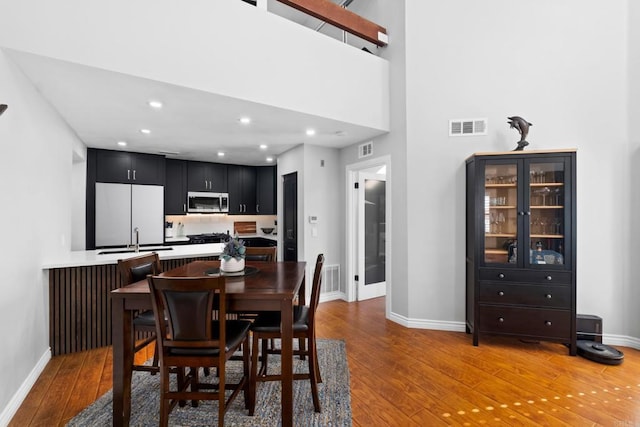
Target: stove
[[207, 238]]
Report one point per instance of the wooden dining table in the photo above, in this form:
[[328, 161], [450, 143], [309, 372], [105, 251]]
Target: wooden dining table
[[268, 286]]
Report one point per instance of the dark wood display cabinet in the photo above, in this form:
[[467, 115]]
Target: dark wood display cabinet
[[521, 245]]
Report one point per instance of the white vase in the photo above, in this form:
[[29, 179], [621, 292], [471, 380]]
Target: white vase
[[232, 265]]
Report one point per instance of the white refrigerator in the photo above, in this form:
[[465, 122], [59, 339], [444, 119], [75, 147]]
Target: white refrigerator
[[120, 208]]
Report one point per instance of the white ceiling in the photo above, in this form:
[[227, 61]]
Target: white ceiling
[[105, 107]]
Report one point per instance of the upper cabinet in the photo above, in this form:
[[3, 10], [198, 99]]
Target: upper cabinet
[[204, 176], [242, 189], [175, 189], [129, 168], [266, 190]]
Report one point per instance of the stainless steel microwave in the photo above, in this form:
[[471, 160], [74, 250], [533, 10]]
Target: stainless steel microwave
[[204, 202]]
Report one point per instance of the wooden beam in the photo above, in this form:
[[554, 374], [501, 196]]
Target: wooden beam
[[342, 18]]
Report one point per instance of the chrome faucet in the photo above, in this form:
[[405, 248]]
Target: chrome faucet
[[136, 247]]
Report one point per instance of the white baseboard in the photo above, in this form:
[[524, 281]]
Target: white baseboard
[[331, 296], [621, 340], [10, 410], [438, 325]]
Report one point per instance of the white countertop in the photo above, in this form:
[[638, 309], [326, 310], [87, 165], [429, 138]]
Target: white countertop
[[87, 258]]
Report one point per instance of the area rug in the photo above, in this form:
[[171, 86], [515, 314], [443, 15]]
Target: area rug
[[333, 392]]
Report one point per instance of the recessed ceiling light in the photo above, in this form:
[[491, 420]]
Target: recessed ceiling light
[[263, 146], [245, 120], [220, 154], [122, 143], [269, 159], [311, 132], [145, 131], [155, 104]]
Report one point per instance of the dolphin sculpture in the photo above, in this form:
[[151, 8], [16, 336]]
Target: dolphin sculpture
[[523, 127]]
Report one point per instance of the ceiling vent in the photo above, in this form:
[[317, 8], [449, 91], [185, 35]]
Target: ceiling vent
[[365, 150], [466, 127]]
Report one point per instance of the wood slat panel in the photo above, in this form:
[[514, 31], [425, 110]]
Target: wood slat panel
[[80, 305]]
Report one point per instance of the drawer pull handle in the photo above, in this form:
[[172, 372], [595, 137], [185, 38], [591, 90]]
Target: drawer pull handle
[[501, 293], [548, 323], [548, 296], [548, 278], [501, 276], [501, 319]]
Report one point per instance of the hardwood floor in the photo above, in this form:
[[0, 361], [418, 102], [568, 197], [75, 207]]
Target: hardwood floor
[[410, 377]]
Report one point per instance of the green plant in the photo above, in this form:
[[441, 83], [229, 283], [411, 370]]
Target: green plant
[[234, 248]]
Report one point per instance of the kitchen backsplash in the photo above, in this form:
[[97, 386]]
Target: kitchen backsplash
[[216, 223]]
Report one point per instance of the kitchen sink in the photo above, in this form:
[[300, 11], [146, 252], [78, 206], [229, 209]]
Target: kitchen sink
[[130, 251]]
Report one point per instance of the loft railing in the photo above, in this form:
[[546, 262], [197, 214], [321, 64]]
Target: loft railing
[[338, 16]]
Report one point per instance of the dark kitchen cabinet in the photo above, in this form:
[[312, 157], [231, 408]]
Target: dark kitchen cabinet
[[129, 168], [521, 245], [204, 176], [266, 190], [242, 189], [175, 188]]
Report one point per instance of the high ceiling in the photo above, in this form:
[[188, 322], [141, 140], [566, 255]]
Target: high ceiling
[[105, 107]]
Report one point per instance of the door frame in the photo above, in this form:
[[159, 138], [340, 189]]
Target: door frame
[[351, 204]]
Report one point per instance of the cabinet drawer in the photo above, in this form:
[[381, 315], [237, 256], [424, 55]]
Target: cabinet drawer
[[531, 295], [525, 276], [532, 322]]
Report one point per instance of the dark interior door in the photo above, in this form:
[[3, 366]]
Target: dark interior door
[[290, 238]]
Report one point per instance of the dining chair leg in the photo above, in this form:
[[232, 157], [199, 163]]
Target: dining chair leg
[[245, 368], [194, 378], [253, 377], [301, 346], [265, 358], [313, 362], [154, 363], [315, 355], [164, 407]]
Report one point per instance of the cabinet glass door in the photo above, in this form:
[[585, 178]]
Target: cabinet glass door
[[547, 212], [500, 213]]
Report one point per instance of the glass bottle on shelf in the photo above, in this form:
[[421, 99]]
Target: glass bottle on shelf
[[500, 212], [546, 219]]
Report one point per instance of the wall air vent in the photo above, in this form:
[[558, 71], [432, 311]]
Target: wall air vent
[[365, 150], [467, 127]]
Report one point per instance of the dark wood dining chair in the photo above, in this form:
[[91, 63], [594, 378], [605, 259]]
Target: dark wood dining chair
[[132, 270], [267, 326], [190, 337], [260, 254]]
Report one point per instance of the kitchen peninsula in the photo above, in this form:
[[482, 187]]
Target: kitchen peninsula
[[80, 285]]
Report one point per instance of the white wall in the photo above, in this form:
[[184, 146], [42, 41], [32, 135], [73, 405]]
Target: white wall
[[35, 187], [319, 195], [566, 73], [632, 240], [322, 199], [391, 16], [225, 47], [574, 76]]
